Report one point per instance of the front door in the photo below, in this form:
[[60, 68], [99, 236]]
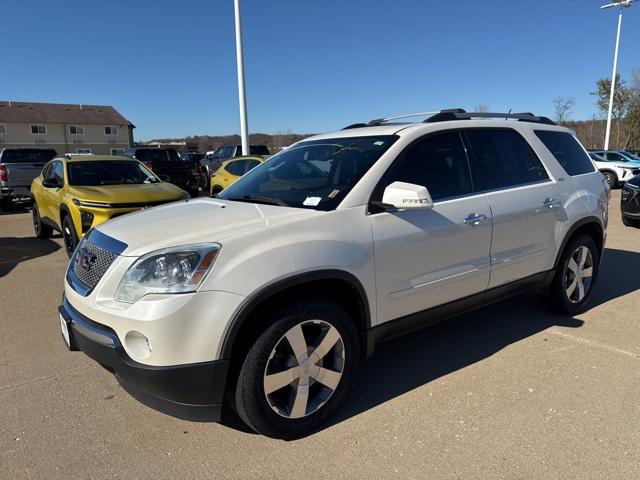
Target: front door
[[428, 257]]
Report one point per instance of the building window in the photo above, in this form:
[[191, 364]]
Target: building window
[[39, 129], [3, 129], [76, 130], [110, 130], [117, 151], [84, 151]]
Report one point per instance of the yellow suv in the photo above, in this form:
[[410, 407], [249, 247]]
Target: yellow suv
[[76, 192], [231, 170]]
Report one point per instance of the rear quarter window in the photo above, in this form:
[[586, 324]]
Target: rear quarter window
[[567, 151]]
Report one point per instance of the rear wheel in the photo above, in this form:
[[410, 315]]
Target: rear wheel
[[298, 371], [69, 235], [576, 274], [630, 222], [611, 179], [41, 230]]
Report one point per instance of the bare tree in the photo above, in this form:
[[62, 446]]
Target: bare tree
[[563, 108], [481, 108]]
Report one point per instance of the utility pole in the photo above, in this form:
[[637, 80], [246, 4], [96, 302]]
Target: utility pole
[[244, 129]]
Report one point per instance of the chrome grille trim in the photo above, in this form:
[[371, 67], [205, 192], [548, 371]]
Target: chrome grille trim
[[92, 258]]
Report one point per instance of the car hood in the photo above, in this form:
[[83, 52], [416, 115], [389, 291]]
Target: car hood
[[194, 221], [146, 193]]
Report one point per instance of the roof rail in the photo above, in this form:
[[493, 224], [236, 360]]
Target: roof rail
[[460, 114]]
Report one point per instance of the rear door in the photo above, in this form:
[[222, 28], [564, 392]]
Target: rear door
[[50, 198], [428, 257], [524, 202]]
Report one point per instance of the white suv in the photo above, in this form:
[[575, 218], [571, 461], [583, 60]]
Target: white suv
[[615, 171], [270, 295]]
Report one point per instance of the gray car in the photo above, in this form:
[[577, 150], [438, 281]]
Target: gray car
[[18, 167]]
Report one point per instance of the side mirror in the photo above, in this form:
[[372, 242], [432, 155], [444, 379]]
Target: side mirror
[[51, 183], [404, 195]]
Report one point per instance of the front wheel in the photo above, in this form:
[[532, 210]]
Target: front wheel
[[69, 235], [611, 179], [575, 277], [630, 222], [298, 371]]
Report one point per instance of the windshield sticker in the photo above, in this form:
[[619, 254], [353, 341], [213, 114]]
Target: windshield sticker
[[312, 201], [334, 193]]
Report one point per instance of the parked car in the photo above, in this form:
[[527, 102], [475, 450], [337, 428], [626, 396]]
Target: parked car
[[168, 166], [273, 293], [76, 193], [615, 171], [191, 156], [211, 163], [617, 156], [18, 167], [630, 202], [231, 170]]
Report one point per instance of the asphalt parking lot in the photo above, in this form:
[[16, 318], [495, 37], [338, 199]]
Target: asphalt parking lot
[[510, 391]]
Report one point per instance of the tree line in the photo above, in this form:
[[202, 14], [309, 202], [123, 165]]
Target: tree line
[[625, 124]]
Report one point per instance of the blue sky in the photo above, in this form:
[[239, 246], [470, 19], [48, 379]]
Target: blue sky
[[311, 66]]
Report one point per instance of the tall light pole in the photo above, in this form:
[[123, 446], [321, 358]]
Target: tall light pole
[[244, 129], [622, 4]]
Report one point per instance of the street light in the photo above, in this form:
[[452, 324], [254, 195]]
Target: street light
[[244, 130], [622, 4]]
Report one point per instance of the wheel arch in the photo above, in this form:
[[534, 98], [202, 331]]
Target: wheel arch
[[338, 284], [592, 226]]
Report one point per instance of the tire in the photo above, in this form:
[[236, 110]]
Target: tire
[[5, 203], [611, 179], [630, 222], [40, 229], [205, 181], [195, 193], [69, 235], [215, 190], [286, 412], [561, 297]]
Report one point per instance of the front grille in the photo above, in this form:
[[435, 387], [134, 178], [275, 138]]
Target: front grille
[[90, 262]]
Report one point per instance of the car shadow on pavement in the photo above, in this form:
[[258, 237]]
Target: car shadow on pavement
[[409, 362], [14, 250], [17, 206]]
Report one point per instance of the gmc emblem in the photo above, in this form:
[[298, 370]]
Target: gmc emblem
[[86, 259]]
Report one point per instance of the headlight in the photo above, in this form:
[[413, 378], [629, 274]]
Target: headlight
[[171, 270]]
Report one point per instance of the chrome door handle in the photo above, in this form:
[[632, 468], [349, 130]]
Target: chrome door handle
[[551, 203], [476, 219]]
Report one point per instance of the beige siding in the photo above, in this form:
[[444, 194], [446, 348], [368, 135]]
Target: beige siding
[[58, 137]]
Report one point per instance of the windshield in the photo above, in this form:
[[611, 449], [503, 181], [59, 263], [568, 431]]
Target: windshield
[[316, 174], [630, 155], [120, 172]]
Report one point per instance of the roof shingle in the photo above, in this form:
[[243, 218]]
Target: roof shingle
[[61, 113]]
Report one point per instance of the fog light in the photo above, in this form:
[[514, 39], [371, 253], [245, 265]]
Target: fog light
[[87, 220], [138, 344]]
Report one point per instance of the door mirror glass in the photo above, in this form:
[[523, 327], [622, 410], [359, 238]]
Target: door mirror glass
[[407, 195], [51, 183]]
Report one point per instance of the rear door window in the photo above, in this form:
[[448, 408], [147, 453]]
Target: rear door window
[[566, 149], [27, 155], [501, 158]]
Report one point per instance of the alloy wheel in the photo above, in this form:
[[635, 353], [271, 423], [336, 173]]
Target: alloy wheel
[[578, 275], [304, 369], [36, 220], [68, 239]]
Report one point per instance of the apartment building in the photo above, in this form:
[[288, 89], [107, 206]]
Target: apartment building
[[97, 129]]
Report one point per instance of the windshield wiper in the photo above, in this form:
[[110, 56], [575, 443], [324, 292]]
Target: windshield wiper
[[257, 199]]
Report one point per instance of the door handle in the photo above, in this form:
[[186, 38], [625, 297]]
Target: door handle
[[475, 219], [551, 203]]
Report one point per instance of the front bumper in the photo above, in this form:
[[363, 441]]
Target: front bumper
[[192, 392]]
